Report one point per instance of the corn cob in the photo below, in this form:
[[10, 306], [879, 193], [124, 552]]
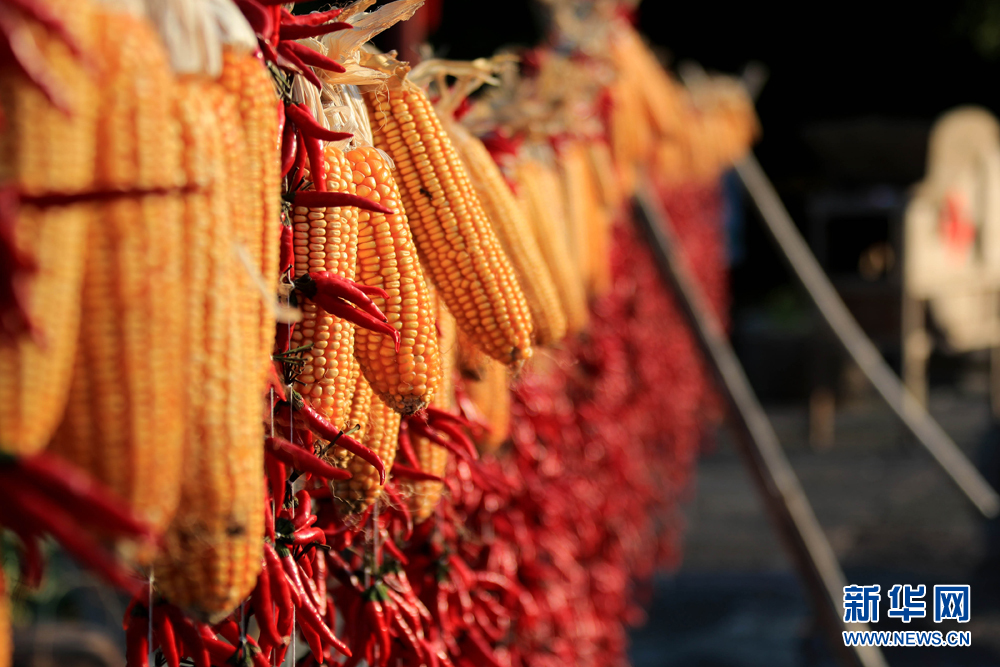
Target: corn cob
[[514, 233], [35, 375], [536, 183], [381, 436], [124, 415], [245, 77], [452, 233], [603, 168], [660, 96], [42, 150], [576, 190], [425, 495], [326, 239], [387, 258], [212, 551], [491, 396]]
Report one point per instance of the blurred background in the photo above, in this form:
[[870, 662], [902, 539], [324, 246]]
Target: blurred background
[[852, 93]]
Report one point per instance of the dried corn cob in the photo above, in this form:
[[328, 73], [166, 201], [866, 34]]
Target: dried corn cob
[[124, 416], [35, 375], [425, 495], [603, 168], [630, 132], [514, 233], [452, 233], [594, 224], [43, 150], [491, 396], [380, 436], [326, 239], [536, 182], [639, 69], [387, 258], [361, 402], [574, 175], [247, 79], [212, 550]]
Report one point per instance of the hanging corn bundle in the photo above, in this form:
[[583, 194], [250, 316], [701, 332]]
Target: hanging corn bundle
[[452, 233]]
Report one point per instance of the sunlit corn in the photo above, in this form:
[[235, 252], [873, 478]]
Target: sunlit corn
[[326, 239], [514, 233], [387, 258], [453, 235]]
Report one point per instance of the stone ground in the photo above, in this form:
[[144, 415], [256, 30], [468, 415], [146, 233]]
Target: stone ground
[[890, 513]]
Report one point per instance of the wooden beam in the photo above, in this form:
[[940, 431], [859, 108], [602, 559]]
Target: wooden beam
[[784, 499], [862, 350]]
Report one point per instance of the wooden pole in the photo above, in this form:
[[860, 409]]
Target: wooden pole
[[862, 350], [784, 499]]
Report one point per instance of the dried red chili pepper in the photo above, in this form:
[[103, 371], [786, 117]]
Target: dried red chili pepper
[[335, 286], [163, 630], [315, 18], [317, 199], [406, 472], [184, 628], [326, 430], [81, 495], [137, 643], [40, 509], [302, 31], [281, 591], [309, 536], [302, 460], [263, 607], [377, 621], [289, 146], [312, 58], [425, 431], [298, 168], [309, 126], [343, 310]]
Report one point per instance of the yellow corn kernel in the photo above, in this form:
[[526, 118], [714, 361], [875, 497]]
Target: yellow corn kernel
[[357, 416], [381, 436], [603, 167], [589, 227], [660, 96], [491, 396], [538, 190], [124, 419], [423, 496], [456, 242], [387, 258], [42, 150], [246, 78], [212, 550], [35, 375], [514, 233], [326, 239]]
